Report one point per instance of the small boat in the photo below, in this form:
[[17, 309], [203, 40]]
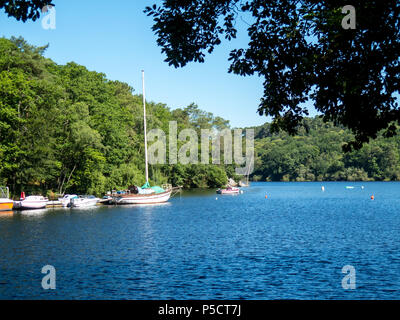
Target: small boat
[[65, 201], [6, 204], [228, 190], [83, 202], [31, 202]]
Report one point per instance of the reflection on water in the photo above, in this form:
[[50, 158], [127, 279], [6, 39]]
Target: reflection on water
[[93, 208], [34, 212], [151, 204], [6, 214]]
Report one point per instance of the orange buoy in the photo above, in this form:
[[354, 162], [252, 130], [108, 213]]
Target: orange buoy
[[372, 197], [266, 196]]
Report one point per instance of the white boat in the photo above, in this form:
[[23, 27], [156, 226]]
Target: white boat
[[65, 201], [84, 201], [228, 190], [31, 202]]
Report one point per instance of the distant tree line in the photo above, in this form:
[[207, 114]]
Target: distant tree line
[[315, 154]]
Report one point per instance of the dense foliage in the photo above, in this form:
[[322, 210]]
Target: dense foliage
[[64, 128], [303, 52], [24, 9], [315, 154]]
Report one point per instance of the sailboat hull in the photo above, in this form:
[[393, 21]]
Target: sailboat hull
[[143, 198]]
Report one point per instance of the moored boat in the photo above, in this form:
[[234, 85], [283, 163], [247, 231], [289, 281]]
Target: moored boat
[[228, 190], [143, 198], [31, 202], [145, 194], [65, 201], [84, 201], [6, 204]]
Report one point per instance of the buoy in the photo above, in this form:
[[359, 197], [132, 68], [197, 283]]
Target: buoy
[[323, 188], [266, 196], [216, 198], [362, 187], [372, 197]]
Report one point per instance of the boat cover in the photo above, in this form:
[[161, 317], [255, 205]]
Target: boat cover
[[145, 190], [146, 185], [158, 189]]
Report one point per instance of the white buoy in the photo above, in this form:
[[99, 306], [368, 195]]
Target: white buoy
[[216, 198], [323, 188]]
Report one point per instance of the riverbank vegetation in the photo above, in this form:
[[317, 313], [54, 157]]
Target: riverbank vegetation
[[64, 128]]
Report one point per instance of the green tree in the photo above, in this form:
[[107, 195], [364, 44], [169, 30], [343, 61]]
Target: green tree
[[24, 9], [64, 128], [303, 53]]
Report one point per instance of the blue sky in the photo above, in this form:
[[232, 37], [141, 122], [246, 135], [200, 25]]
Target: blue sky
[[117, 40]]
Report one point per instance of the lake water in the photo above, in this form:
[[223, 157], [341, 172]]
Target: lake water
[[290, 245]]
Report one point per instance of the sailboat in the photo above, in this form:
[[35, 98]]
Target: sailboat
[[147, 194]]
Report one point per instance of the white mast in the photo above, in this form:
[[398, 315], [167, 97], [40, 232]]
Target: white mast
[[145, 129]]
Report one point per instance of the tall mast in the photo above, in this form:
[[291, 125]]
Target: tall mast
[[145, 129]]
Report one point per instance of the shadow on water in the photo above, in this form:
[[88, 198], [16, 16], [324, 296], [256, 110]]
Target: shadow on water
[[198, 192]]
